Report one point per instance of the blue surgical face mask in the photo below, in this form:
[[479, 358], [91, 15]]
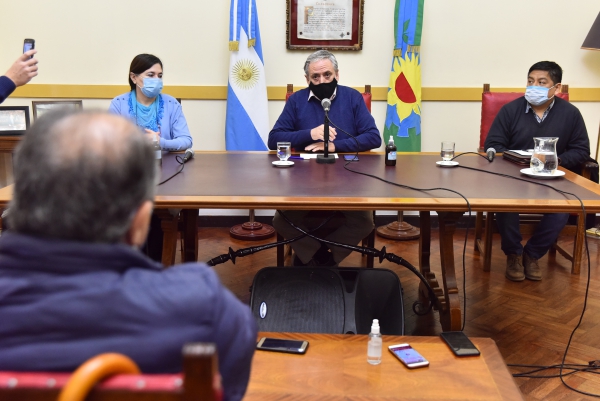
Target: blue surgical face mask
[[152, 87], [537, 95]]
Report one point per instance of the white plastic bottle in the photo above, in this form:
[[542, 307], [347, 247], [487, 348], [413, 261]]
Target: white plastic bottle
[[375, 344], [157, 151]]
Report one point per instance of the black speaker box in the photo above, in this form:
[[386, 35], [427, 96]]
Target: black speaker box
[[327, 300]]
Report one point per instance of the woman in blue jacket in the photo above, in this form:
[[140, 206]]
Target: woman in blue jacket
[[159, 115]]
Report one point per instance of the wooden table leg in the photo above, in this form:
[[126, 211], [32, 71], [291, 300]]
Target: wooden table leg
[[425, 242], [450, 315], [190, 234], [424, 264], [168, 224]]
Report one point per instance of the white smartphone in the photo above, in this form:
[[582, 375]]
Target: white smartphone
[[281, 345], [408, 356]]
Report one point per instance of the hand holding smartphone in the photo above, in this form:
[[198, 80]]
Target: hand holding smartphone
[[28, 44], [281, 345], [408, 356], [459, 343]]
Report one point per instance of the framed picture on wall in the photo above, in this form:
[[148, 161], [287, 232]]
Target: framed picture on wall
[[14, 120], [318, 24], [39, 108]]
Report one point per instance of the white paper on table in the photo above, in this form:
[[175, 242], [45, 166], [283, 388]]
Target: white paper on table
[[314, 155], [522, 152]]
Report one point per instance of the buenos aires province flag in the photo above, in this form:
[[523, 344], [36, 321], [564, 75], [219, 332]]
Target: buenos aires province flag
[[247, 119], [403, 117]]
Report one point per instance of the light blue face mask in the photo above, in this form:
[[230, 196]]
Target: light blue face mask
[[537, 95], [152, 87]]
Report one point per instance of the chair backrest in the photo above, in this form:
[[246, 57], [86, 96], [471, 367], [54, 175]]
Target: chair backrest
[[337, 300], [492, 102], [598, 145], [200, 380], [366, 94]]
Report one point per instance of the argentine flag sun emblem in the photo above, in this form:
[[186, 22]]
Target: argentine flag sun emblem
[[247, 120]]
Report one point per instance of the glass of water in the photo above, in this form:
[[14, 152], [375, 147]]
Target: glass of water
[[447, 152], [284, 150], [544, 159]]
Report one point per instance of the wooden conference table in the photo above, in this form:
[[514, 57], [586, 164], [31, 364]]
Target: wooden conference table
[[248, 180], [335, 368]]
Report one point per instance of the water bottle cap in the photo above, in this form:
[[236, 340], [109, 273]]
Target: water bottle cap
[[375, 326]]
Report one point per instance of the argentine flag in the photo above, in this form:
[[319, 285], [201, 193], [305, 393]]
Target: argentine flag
[[247, 120]]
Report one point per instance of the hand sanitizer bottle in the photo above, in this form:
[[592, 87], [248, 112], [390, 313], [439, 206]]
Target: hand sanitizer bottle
[[375, 343], [157, 151]]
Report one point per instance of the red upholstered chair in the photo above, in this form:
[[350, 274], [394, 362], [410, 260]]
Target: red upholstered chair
[[115, 377], [491, 103], [284, 252]]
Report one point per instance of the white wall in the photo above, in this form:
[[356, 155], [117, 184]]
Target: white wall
[[465, 43]]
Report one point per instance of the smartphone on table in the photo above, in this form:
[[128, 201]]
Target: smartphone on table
[[282, 345], [351, 158], [28, 44], [408, 356], [459, 343]]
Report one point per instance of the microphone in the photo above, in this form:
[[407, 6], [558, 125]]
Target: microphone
[[491, 153], [189, 154], [326, 158]]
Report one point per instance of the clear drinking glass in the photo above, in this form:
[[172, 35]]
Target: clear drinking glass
[[544, 159], [447, 152], [284, 150]]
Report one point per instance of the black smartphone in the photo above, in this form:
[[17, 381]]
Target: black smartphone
[[459, 343], [28, 44], [281, 345], [352, 158]]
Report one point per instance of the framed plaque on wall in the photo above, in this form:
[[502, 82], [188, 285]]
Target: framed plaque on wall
[[14, 120], [324, 24]]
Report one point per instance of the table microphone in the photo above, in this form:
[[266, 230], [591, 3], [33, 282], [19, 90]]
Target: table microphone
[[491, 153], [326, 158], [189, 154]]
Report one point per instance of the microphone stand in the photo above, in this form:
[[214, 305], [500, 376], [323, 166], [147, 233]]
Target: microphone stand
[[326, 158]]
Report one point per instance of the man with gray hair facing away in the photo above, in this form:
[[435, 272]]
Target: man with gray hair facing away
[[73, 283]]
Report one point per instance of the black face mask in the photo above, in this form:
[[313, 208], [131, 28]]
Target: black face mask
[[324, 90]]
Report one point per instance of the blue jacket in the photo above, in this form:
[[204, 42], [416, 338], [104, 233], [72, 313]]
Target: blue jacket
[[7, 86], [174, 131], [63, 302], [348, 112]]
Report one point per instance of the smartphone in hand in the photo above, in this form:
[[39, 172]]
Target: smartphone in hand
[[459, 343], [28, 44], [408, 356]]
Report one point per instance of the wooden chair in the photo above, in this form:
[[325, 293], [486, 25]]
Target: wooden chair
[[115, 377], [491, 103], [284, 252]]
